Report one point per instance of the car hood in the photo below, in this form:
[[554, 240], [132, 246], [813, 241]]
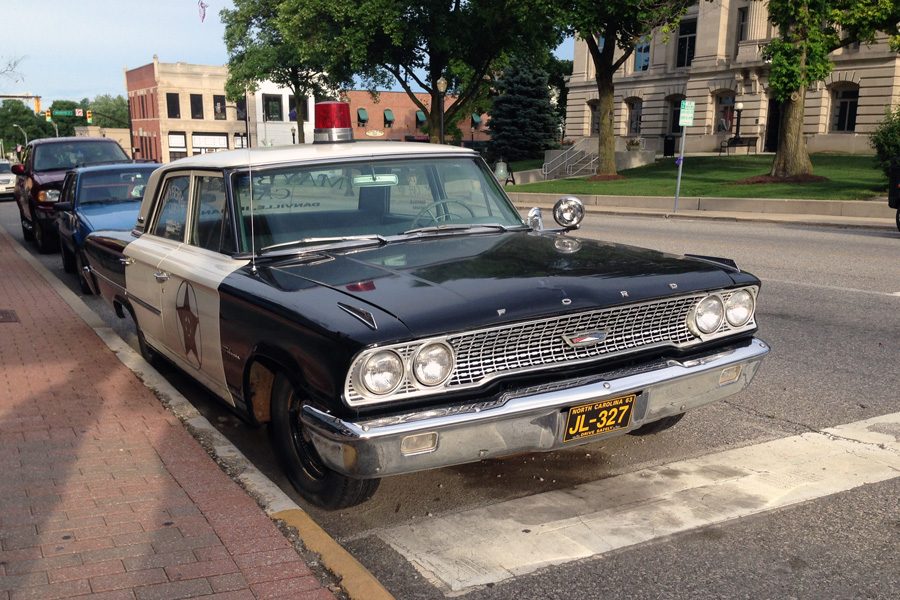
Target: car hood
[[109, 215], [444, 284], [49, 179]]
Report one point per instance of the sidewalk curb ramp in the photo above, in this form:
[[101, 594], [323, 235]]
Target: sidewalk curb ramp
[[355, 579]]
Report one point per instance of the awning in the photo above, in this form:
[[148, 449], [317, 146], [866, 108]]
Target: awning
[[476, 119], [362, 115], [388, 115], [420, 116]]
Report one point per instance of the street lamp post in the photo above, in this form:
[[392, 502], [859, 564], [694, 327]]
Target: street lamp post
[[293, 135], [739, 108], [55, 128], [442, 87], [19, 127]]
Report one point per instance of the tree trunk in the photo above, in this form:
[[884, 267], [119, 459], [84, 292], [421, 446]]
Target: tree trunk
[[606, 146], [792, 156], [299, 102], [434, 118]]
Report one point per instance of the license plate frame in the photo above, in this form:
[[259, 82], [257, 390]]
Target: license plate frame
[[599, 417]]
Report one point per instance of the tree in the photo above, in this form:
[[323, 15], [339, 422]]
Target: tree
[[886, 140], [622, 25], [108, 111], [523, 123], [418, 43], [258, 51], [809, 31], [8, 68], [558, 70], [65, 125], [14, 112]]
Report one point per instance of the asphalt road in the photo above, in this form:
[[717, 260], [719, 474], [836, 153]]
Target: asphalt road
[[830, 309]]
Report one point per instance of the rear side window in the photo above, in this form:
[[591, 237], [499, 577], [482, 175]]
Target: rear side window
[[210, 225]]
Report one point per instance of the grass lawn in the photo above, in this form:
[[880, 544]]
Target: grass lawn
[[849, 178]]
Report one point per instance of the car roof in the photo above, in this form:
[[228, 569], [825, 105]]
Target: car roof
[[117, 166], [70, 139], [314, 153]]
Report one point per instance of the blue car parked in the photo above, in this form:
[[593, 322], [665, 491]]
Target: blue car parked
[[99, 197]]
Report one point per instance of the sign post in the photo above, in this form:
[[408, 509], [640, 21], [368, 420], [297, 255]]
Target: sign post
[[685, 119]]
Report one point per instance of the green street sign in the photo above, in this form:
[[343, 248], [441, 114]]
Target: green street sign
[[63, 113], [686, 116]]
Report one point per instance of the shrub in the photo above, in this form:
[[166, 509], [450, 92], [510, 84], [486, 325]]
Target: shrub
[[886, 140]]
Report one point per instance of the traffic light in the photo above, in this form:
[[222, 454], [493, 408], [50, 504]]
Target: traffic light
[[89, 115], [37, 105], [47, 115]]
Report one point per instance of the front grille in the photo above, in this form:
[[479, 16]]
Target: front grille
[[536, 345]]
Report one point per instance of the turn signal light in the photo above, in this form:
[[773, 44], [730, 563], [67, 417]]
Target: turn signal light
[[419, 443]]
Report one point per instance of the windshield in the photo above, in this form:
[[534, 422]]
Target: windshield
[[373, 198], [125, 185], [5, 167], [68, 155]]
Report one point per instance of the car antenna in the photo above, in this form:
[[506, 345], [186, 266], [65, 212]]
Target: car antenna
[[252, 228]]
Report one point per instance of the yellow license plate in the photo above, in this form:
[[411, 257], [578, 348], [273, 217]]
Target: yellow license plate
[[596, 418]]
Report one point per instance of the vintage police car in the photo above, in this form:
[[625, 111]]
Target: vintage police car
[[384, 309]]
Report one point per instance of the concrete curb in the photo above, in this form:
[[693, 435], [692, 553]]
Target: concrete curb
[[356, 580]]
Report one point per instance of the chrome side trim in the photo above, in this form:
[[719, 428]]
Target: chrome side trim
[[526, 420], [125, 292]]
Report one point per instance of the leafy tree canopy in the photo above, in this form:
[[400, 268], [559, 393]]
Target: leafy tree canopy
[[15, 112], [417, 43], [108, 110]]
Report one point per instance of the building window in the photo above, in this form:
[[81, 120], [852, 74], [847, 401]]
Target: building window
[[241, 109], [845, 104], [742, 23], [687, 38], [240, 140], [219, 108], [388, 118], [724, 112], [292, 109], [362, 117], [173, 106], [642, 55], [675, 114], [634, 107], [272, 107], [595, 118], [196, 106]]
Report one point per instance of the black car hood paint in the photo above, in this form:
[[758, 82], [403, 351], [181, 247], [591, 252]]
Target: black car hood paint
[[443, 284]]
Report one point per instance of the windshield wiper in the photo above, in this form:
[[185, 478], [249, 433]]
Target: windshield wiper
[[455, 228], [317, 243]]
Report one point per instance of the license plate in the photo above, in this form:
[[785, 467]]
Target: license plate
[[596, 418]]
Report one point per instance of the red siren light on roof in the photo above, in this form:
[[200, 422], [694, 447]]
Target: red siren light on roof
[[333, 123]]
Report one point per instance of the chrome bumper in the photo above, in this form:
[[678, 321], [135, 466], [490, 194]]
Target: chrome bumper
[[529, 420]]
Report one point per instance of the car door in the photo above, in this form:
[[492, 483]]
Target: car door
[[191, 293], [145, 282], [66, 220]]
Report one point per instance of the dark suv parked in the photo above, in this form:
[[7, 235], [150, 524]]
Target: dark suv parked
[[40, 178]]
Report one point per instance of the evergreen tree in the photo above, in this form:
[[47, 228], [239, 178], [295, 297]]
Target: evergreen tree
[[523, 123]]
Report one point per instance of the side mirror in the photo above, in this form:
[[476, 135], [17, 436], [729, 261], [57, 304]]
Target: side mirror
[[568, 212], [18, 169], [62, 206], [535, 220]]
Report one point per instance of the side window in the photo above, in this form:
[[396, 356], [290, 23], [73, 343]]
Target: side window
[[69, 188], [209, 213], [172, 213]]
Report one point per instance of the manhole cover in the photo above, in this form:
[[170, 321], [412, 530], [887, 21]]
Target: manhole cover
[[8, 316]]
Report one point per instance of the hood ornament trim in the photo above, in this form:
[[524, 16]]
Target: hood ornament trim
[[589, 338], [363, 315]]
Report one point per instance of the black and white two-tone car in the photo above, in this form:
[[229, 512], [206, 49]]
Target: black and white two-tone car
[[384, 309]]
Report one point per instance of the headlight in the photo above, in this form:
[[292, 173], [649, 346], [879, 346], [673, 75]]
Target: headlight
[[432, 364], [568, 211], [708, 314], [48, 196], [382, 372], [739, 308]]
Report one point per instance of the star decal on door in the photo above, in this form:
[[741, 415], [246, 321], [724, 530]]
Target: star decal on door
[[188, 313]]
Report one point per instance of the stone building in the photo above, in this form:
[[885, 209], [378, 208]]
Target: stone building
[[713, 58]]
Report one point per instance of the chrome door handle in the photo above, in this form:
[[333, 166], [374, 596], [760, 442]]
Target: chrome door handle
[[161, 276], [126, 260]]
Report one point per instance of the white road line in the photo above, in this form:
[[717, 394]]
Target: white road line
[[459, 551], [833, 287]]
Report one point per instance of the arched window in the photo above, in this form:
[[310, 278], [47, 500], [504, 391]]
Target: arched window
[[844, 101], [724, 112], [633, 108]]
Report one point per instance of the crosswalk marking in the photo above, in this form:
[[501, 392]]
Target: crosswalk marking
[[457, 552]]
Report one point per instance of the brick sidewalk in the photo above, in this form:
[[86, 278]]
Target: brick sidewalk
[[103, 493]]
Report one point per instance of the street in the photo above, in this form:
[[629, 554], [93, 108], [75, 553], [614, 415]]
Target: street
[[630, 516]]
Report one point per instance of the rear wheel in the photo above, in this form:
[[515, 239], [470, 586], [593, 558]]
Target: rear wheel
[[898, 219], [300, 461], [657, 426]]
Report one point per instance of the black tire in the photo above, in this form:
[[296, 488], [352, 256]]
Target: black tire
[[27, 233], [302, 465], [44, 239], [657, 426], [145, 349], [68, 259], [898, 219], [83, 283]]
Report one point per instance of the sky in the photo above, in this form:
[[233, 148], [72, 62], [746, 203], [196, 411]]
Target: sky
[[74, 49]]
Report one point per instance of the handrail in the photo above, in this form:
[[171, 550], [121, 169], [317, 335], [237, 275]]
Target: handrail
[[563, 159]]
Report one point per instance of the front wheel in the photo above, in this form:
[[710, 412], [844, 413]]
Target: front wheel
[[27, 232], [84, 275], [300, 461], [45, 240], [898, 219]]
